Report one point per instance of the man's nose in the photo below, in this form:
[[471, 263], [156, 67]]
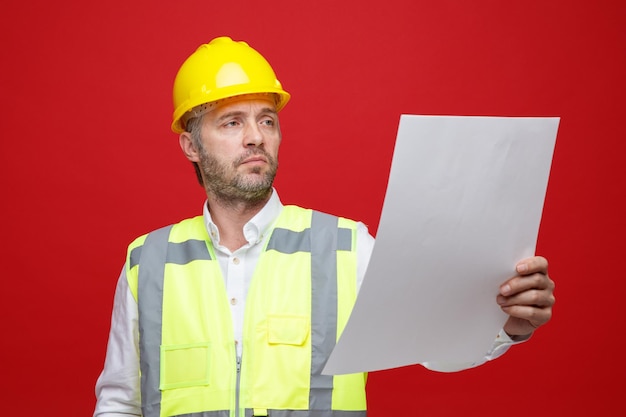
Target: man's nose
[[253, 135]]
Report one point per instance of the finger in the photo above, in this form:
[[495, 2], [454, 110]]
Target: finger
[[534, 315], [532, 298], [535, 264], [519, 284]]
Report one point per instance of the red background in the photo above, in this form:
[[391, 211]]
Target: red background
[[88, 162]]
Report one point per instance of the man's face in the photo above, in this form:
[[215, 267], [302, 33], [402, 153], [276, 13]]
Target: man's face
[[238, 155]]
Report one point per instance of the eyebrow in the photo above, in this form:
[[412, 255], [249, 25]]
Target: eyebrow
[[234, 113]]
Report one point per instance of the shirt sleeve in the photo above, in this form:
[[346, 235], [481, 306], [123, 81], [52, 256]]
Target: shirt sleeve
[[118, 386], [502, 342], [500, 345], [364, 248]]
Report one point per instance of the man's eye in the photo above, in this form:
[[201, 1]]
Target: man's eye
[[232, 123], [268, 122]]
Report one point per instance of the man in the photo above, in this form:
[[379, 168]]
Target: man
[[181, 342]]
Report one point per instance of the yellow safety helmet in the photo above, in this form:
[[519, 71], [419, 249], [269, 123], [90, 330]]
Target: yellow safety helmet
[[220, 69]]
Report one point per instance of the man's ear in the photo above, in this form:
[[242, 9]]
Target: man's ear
[[188, 147]]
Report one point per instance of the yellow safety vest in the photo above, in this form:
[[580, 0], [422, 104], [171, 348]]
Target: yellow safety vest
[[298, 303]]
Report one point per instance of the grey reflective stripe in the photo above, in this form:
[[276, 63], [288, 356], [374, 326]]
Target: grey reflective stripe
[[150, 305], [310, 413], [135, 255], [185, 252], [344, 239], [221, 413], [177, 253], [324, 306], [288, 241]]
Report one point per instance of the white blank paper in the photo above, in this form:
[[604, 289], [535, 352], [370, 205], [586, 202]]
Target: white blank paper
[[463, 206]]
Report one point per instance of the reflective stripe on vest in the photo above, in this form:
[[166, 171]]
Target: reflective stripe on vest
[[150, 305], [322, 240]]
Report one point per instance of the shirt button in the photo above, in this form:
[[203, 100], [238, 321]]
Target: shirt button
[[233, 301], [236, 261]]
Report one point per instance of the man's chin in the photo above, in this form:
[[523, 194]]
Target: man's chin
[[256, 180], [258, 185]]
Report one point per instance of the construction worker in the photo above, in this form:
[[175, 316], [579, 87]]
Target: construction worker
[[235, 312]]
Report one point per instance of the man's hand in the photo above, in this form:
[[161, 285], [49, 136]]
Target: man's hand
[[528, 297]]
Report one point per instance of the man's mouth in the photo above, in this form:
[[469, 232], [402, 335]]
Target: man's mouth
[[254, 159]]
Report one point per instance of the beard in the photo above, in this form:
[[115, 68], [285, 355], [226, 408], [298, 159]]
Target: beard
[[236, 188]]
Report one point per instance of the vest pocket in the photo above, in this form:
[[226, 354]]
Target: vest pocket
[[287, 330], [184, 365]]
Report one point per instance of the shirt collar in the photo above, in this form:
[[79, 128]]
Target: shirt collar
[[254, 230]]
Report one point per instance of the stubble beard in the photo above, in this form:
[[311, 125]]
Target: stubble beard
[[232, 190]]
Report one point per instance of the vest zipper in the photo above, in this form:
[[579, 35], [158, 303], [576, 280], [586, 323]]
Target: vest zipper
[[237, 414]]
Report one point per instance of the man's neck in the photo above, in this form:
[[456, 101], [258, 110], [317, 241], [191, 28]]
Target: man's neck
[[231, 217]]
